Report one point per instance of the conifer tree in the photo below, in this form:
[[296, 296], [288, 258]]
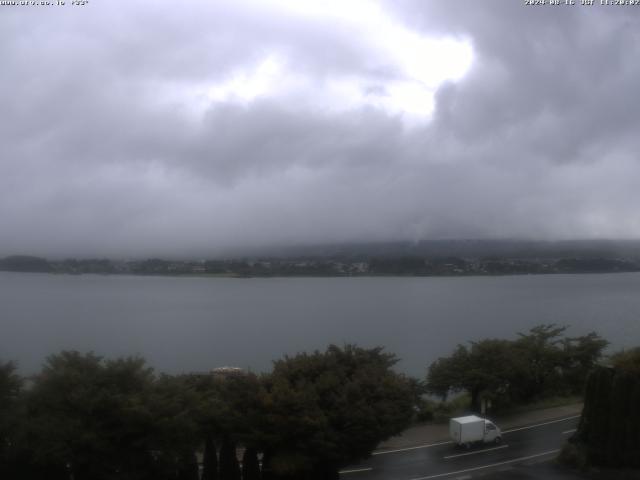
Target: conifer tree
[[229, 466], [10, 389], [250, 466], [210, 460], [609, 429], [266, 472], [188, 467]]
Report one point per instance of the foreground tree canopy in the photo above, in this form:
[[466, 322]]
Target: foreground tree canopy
[[609, 429], [84, 417], [540, 362], [345, 402], [87, 418]]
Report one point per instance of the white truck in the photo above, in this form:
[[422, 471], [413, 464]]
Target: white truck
[[465, 431]]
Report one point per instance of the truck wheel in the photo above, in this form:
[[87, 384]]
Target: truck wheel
[[498, 440]]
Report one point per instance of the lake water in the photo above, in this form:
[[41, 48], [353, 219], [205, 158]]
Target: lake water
[[195, 324]]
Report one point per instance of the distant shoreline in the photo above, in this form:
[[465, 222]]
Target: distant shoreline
[[328, 267], [303, 276]]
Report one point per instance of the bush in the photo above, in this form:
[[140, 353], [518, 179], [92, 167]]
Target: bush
[[424, 411]]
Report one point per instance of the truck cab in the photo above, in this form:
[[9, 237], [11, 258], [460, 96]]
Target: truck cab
[[492, 433]]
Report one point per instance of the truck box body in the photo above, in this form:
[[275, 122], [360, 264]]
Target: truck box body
[[466, 430]]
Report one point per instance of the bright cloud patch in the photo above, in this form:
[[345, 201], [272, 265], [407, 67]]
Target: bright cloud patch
[[404, 68]]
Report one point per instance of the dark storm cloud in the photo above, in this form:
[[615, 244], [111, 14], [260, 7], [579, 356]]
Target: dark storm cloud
[[134, 130]]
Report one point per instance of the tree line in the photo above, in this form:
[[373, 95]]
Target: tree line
[[84, 417], [540, 363], [358, 265]]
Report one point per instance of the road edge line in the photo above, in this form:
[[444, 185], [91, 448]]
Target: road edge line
[[356, 470], [429, 445], [477, 451], [542, 424], [383, 452], [506, 462]]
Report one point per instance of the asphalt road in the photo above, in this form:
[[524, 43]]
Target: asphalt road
[[444, 460]]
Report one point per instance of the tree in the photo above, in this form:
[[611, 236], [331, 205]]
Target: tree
[[62, 408], [325, 410], [10, 391], [609, 430], [556, 364], [210, 459], [229, 466], [580, 356], [250, 465], [90, 418], [228, 412], [627, 360], [543, 358], [188, 466], [446, 375], [486, 370], [174, 406]]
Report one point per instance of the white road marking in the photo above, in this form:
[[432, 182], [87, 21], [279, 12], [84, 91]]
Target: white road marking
[[488, 466], [541, 424], [477, 451], [417, 447], [411, 448], [566, 432], [355, 470]]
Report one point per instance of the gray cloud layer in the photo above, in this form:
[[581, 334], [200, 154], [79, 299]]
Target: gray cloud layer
[[110, 144]]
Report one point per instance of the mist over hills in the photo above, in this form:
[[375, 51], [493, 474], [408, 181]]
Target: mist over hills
[[466, 248]]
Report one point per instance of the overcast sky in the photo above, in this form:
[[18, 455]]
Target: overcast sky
[[170, 128]]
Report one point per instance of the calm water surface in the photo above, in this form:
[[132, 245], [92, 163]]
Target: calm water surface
[[194, 324]]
